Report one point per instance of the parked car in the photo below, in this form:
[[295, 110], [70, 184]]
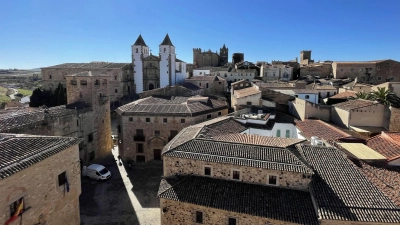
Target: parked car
[[96, 171]]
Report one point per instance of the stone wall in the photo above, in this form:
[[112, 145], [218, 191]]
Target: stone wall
[[286, 179], [184, 213], [43, 197], [394, 124], [303, 109], [129, 124]]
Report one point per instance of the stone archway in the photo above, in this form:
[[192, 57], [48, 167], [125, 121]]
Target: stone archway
[[151, 86]]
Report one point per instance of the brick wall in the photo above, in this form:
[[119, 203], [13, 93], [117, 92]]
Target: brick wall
[[38, 184], [285, 179], [184, 213]]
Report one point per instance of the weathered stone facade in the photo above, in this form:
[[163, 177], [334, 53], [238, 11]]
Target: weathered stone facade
[[285, 179], [185, 213], [209, 58], [212, 85], [45, 201], [119, 76], [155, 134]]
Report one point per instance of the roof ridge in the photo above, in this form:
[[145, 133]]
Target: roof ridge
[[183, 179]]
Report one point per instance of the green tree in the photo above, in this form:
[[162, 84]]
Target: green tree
[[36, 98], [381, 95], [363, 95]]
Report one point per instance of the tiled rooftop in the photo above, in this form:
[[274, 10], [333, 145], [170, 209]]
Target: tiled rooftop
[[206, 78], [258, 140], [226, 126], [305, 91], [20, 151], [239, 154], [320, 87], [251, 199], [246, 92], [171, 106], [386, 145], [322, 130], [355, 104], [342, 192], [92, 65], [345, 95], [191, 86]]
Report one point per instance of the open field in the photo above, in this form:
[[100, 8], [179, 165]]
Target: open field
[[3, 96], [25, 92]]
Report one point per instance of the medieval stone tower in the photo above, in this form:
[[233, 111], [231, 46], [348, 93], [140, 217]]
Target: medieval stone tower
[[167, 62], [223, 53], [88, 94], [139, 52], [305, 57]]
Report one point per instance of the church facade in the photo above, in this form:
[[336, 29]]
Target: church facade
[[209, 58], [152, 71]]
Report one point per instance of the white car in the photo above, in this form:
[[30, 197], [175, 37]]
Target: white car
[[97, 172]]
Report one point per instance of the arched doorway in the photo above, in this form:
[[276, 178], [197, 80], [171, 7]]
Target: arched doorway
[[151, 86]]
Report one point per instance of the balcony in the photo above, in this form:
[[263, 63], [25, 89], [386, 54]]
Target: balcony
[[103, 100], [139, 138]]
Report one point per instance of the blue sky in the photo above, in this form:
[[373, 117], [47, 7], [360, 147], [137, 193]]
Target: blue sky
[[46, 32]]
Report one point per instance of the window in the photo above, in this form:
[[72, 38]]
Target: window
[[139, 148], [248, 103], [287, 134], [74, 82], [209, 116], [14, 206], [207, 170], [61, 178], [50, 77], [200, 84], [77, 123], [199, 217], [278, 133], [148, 120], [165, 50], [139, 131], [83, 82], [307, 97], [119, 128], [236, 174], [90, 137], [182, 120], [272, 179], [165, 120], [232, 221], [219, 113], [206, 85], [157, 133], [137, 50], [115, 77], [116, 90], [379, 78], [130, 119]]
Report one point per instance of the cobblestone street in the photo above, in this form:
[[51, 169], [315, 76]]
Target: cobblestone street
[[128, 197]]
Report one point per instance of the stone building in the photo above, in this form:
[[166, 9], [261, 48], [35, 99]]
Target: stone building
[[214, 174], [237, 58], [185, 89], [119, 76], [152, 71], [281, 72], [305, 57], [209, 58], [145, 126], [42, 175], [87, 116], [211, 85]]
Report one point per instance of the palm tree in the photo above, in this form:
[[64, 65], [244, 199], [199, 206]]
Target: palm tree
[[381, 95], [363, 95]]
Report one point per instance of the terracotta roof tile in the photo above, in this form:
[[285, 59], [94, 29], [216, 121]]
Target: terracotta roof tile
[[251, 199], [258, 140], [325, 131], [354, 104], [345, 95], [385, 145], [246, 92]]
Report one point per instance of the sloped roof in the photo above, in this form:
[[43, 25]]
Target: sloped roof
[[342, 192], [362, 151], [140, 41], [246, 92], [167, 41], [20, 151], [386, 145], [322, 130], [258, 140], [354, 104], [251, 199], [344, 95]]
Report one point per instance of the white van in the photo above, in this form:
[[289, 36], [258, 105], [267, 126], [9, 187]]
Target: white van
[[97, 172]]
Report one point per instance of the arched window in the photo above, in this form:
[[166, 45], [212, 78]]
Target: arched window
[[151, 86]]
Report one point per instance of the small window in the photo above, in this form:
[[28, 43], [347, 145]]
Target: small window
[[165, 120], [199, 217], [200, 84], [157, 133], [137, 50], [139, 148], [119, 128], [148, 120], [206, 85], [15, 205], [209, 116], [207, 170], [139, 131], [90, 137], [116, 90], [379, 78], [182, 120], [236, 174], [61, 178], [165, 50], [287, 134], [77, 123], [115, 77], [272, 179], [232, 221], [73, 82], [307, 97], [248, 103], [50, 76], [278, 133], [130, 119], [219, 113]]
